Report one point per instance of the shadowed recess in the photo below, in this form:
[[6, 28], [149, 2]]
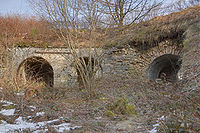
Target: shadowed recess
[[84, 68], [38, 69], [165, 67]]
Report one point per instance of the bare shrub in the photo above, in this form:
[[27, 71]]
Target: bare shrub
[[25, 31], [64, 17]]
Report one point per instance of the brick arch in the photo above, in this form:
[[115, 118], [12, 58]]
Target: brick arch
[[36, 68]]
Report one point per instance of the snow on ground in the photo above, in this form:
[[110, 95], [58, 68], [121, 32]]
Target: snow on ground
[[65, 127], [20, 124], [7, 112], [6, 103], [40, 113], [20, 94], [32, 108], [154, 130], [180, 76]]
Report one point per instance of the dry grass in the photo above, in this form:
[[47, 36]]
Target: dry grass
[[26, 32], [32, 32], [73, 104], [151, 100], [149, 33], [21, 31]]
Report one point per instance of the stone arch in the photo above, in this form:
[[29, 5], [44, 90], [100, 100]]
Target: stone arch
[[144, 58], [165, 67], [37, 69]]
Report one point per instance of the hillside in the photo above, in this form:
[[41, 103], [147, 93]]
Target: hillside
[[17, 31], [149, 33]]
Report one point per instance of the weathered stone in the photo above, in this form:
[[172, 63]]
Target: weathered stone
[[121, 62]]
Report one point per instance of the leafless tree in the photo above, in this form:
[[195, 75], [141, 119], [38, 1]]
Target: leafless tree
[[178, 5], [90, 12], [182, 4], [64, 17], [127, 11]]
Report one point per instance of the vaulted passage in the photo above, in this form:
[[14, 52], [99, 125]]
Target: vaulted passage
[[165, 67], [38, 69]]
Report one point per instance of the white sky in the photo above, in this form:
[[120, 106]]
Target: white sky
[[15, 7]]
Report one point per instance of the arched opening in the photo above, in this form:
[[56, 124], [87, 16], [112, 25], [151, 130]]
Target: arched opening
[[165, 67], [37, 69]]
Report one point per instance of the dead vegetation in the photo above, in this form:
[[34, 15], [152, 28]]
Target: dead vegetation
[[17, 31], [177, 102], [147, 34], [21, 31]]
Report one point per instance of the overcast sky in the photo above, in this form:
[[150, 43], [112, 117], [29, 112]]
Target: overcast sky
[[15, 7]]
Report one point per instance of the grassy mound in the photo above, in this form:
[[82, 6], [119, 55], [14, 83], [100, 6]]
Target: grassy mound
[[149, 33]]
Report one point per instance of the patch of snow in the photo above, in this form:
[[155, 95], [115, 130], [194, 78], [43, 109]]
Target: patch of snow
[[40, 131], [3, 122], [20, 93], [20, 125], [161, 118], [154, 130], [7, 103], [64, 127], [52, 121], [23, 124], [98, 118], [180, 76], [40, 113], [32, 108], [7, 112]]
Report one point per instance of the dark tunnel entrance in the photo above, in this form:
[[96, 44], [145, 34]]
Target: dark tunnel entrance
[[38, 69], [165, 67]]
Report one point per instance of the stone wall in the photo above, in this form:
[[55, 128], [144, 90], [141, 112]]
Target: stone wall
[[129, 60], [59, 58], [120, 62]]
